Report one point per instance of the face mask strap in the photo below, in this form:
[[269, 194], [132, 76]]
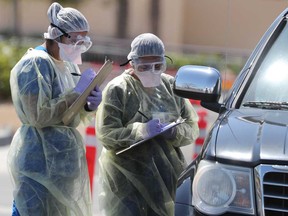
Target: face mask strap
[[125, 63], [64, 33], [169, 58]]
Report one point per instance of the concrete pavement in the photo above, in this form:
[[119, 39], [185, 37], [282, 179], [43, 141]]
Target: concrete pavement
[[6, 184], [6, 190], [11, 122]]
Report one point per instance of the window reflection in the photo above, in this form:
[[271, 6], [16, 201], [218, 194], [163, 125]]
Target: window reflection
[[271, 80]]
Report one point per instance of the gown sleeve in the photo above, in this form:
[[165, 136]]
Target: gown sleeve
[[40, 94]]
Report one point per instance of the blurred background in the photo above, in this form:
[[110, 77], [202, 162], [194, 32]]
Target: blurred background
[[217, 33]]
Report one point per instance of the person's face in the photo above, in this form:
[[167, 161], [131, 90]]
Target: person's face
[[73, 37], [77, 39], [148, 70], [149, 63]]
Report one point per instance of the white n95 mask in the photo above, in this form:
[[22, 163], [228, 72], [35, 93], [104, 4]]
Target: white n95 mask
[[149, 79], [71, 53]]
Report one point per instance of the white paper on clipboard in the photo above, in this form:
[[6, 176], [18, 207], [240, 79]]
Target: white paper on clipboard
[[167, 127], [79, 103]]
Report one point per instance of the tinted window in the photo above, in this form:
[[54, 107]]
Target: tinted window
[[270, 82]]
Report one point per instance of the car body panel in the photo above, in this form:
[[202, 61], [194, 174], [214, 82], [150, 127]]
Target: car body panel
[[253, 135], [249, 137]]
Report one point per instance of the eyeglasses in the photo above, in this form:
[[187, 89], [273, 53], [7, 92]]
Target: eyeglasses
[[156, 67], [84, 42], [80, 41]]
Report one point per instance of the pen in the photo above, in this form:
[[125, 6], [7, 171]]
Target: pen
[[143, 115], [76, 74]]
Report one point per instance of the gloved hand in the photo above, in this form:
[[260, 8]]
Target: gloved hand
[[94, 99], [170, 133], [85, 79], [153, 127]]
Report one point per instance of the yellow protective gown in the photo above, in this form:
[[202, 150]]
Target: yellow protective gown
[[46, 158], [142, 180]]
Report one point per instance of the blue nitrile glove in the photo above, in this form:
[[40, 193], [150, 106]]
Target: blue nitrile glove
[[15, 210], [85, 79], [94, 99], [170, 133], [153, 127]]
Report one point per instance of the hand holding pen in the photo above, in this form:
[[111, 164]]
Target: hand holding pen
[[153, 126]]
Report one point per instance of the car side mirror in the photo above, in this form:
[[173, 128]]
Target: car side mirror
[[199, 83]]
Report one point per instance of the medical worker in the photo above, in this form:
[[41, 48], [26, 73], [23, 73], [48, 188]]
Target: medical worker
[[137, 105], [47, 158]]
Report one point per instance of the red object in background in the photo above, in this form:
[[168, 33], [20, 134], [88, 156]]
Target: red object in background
[[194, 102], [91, 152], [202, 124]]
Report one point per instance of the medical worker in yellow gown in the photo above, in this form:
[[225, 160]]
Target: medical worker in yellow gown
[[137, 105], [47, 158]]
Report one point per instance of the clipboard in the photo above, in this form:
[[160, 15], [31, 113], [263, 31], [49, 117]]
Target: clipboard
[[167, 127], [79, 103]]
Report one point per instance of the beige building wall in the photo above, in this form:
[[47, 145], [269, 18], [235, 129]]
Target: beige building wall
[[138, 17], [31, 17], [202, 24], [102, 17], [237, 24], [172, 21], [5, 15]]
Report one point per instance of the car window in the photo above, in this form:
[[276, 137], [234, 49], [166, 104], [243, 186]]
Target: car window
[[270, 83]]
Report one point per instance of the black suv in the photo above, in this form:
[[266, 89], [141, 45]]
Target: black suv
[[242, 168]]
